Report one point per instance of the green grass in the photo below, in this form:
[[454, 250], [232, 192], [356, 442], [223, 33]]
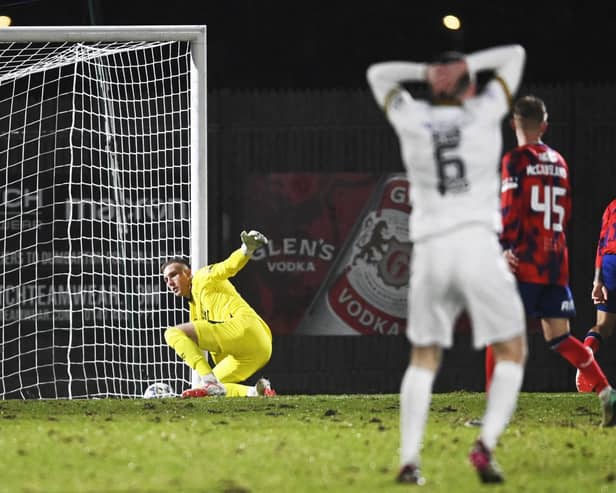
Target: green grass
[[293, 444]]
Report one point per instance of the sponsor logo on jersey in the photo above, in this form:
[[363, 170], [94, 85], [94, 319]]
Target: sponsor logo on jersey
[[509, 183], [548, 156], [567, 306]]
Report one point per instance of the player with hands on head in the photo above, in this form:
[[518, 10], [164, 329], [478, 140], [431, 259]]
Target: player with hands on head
[[222, 323], [536, 207], [451, 147], [603, 291]]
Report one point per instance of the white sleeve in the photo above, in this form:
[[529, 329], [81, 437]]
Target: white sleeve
[[506, 61], [385, 78]]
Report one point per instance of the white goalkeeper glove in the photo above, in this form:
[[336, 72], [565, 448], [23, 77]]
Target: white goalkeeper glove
[[252, 241]]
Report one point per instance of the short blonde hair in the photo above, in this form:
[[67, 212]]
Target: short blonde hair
[[174, 260]]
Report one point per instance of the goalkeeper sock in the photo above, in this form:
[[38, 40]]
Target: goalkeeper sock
[[582, 358], [186, 349], [502, 400], [415, 397], [236, 390], [252, 391], [593, 340]]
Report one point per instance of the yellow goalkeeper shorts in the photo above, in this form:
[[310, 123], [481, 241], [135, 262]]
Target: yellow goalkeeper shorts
[[239, 347]]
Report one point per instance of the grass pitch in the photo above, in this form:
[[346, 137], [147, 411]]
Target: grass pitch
[[293, 444]]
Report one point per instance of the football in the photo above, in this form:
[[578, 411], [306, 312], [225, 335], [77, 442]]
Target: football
[[158, 390]]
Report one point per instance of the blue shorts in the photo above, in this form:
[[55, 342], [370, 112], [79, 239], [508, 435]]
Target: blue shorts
[[608, 271], [546, 300]]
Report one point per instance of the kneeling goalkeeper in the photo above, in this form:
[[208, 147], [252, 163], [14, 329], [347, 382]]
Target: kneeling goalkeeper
[[222, 323]]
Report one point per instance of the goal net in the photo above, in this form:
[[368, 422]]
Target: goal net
[[98, 152]]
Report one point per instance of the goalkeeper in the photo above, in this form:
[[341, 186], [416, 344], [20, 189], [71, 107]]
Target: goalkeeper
[[222, 323]]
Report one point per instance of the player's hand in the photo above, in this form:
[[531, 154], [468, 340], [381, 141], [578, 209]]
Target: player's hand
[[512, 260], [252, 241], [599, 293]]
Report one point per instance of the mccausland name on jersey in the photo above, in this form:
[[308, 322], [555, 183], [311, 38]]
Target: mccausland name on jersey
[[546, 169]]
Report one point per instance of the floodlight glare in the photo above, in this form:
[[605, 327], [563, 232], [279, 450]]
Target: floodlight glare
[[452, 22]]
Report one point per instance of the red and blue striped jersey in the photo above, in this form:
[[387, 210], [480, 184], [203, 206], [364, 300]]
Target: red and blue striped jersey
[[536, 208], [607, 237]]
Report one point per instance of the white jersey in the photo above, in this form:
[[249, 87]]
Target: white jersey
[[452, 157], [451, 153]]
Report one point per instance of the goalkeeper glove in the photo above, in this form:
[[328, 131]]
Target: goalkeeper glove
[[252, 241]]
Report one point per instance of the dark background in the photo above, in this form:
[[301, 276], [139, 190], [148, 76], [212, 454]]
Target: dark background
[[328, 44], [288, 94]]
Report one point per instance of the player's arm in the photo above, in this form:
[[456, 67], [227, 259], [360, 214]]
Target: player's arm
[[511, 206], [599, 291], [507, 63], [385, 80], [607, 237], [251, 241], [606, 223], [228, 267]]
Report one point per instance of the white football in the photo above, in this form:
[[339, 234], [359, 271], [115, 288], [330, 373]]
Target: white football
[[158, 390]]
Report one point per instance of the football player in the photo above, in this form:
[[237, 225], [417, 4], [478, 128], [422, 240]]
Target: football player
[[536, 207], [222, 323], [603, 291], [451, 148]]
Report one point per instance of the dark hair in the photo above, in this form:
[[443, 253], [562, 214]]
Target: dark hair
[[174, 260], [448, 57], [530, 108]]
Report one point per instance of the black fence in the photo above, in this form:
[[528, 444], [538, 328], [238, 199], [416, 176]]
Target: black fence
[[339, 131]]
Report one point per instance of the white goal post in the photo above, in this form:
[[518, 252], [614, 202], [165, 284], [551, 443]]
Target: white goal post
[[103, 176]]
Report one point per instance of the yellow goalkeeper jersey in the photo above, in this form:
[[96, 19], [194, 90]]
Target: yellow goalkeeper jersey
[[214, 298]]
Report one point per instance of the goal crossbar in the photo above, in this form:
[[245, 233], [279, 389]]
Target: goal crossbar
[[193, 34]]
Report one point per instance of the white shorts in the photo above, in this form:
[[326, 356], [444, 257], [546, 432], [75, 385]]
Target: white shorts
[[462, 269]]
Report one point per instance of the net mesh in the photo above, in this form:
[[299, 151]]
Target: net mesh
[[95, 182]]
